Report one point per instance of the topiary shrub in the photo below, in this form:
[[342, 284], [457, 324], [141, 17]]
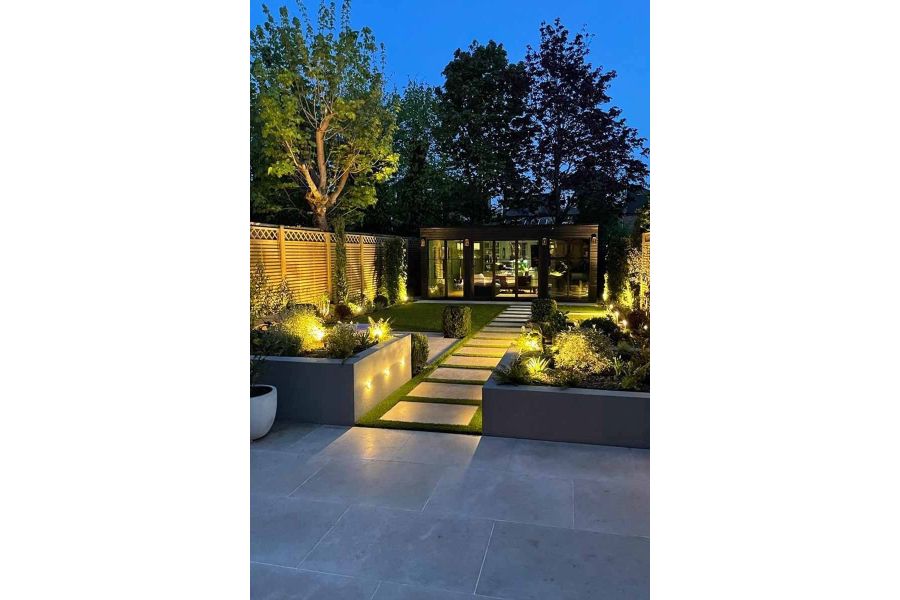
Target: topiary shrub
[[419, 353], [380, 302], [341, 289], [342, 312], [394, 261], [542, 308], [457, 321]]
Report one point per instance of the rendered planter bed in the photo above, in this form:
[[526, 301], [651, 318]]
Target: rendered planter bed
[[331, 391], [608, 417]]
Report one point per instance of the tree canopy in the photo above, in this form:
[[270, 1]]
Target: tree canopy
[[321, 122]]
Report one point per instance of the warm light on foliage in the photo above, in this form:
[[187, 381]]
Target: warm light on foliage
[[536, 365], [583, 350], [528, 341], [308, 327], [380, 330], [356, 308]]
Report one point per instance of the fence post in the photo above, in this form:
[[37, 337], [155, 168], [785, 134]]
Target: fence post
[[328, 263], [362, 267], [281, 253]]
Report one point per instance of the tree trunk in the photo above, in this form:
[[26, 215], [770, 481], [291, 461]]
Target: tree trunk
[[322, 220]]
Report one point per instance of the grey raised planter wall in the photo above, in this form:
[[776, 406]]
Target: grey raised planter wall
[[335, 392], [539, 412]]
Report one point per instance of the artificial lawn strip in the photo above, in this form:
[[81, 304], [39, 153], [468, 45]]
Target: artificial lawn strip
[[372, 418], [416, 316], [443, 400]]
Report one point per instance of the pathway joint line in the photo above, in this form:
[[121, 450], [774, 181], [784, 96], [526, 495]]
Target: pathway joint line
[[484, 559]]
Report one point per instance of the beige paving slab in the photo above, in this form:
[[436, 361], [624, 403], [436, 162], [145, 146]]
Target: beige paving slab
[[508, 322], [429, 412], [517, 313], [455, 391], [494, 336], [472, 361], [449, 373], [497, 328], [480, 351], [503, 343]]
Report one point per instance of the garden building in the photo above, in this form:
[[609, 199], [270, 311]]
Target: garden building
[[510, 262]]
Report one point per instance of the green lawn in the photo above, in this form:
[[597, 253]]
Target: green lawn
[[416, 316]]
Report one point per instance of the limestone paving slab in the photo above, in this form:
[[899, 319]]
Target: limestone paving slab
[[454, 391], [431, 412], [268, 582], [500, 329], [468, 350], [404, 547], [534, 562], [490, 342], [495, 335], [472, 361], [449, 373]]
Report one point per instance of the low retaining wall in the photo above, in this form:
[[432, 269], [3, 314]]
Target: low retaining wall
[[539, 412], [335, 392]]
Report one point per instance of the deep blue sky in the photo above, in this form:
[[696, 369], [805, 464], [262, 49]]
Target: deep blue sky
[[420, 36]]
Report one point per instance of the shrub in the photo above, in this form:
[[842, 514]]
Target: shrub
[[303, 323], [274, 341], [530, 340], [515, 374], [536, 365], [637, 319], [604, 325], [342, 312], [557, 323], [380, 302], [419, 352], [343, 340], [542, 308], [380, 330], [636, 373], [266, 302], [394, 261], [457, 321], [324, 305], [583, 350], [341, 291]]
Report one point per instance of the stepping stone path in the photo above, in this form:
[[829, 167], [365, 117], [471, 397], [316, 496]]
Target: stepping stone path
[[451, 393]]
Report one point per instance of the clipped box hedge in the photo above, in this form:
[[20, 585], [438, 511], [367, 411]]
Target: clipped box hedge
[[457, 321], [419, 352], [542, 308]]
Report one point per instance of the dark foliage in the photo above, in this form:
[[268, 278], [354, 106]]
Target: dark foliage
[[380, 302], [456, 321], [419, 352], [542, 308], [342, 312]]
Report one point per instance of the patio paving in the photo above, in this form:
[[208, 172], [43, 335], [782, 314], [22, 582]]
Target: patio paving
[[440, 516], [470, 350], [430, 412]]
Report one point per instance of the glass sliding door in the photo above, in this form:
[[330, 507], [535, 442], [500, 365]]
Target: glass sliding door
[[483, 269], [454, 268], [505, 269], [527, 261], [569, 269], [437, 281]]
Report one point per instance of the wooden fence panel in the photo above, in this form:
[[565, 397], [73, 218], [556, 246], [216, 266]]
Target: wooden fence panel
[[305, 259]]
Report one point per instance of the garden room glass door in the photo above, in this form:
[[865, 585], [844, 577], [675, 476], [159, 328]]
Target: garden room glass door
[[516, 269], [445, 268]]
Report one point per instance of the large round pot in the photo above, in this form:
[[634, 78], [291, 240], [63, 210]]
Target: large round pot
[[263, 403]]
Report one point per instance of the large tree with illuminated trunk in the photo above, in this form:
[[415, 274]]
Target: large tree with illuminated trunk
[[323, 122]]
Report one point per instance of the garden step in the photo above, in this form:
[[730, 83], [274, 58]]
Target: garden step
[[495, 336], [461, 375], [479, 351], [499, 329], [430, 412], [503, 343], [508, 322], [453, 391], [510, 311], [472, 361]]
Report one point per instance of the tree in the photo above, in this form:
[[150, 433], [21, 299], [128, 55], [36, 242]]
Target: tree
[[582, 153], [324, 121], [481, 131], [341, 288], [417, 194]]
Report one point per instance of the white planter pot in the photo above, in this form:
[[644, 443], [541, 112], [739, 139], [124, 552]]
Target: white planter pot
[[262, 410]]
